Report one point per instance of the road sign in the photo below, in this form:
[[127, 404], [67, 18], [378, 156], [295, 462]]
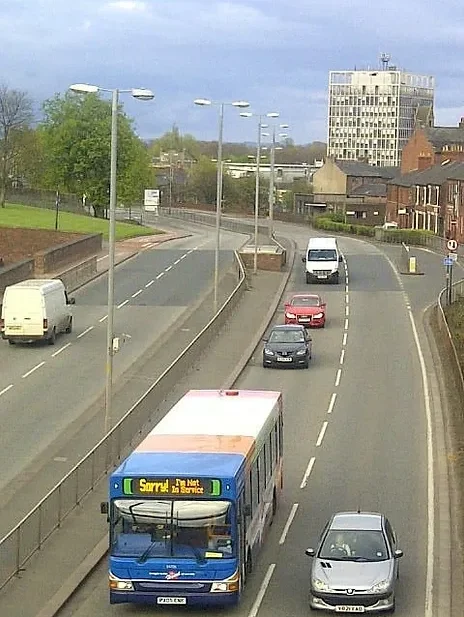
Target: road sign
[[453, 257], [448, 261], [452, 245]]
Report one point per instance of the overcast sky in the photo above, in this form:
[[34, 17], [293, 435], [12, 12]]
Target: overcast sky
[[274, 53]]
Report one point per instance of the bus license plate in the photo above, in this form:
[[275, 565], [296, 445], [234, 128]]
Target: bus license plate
[[343, 608], [171, 600]]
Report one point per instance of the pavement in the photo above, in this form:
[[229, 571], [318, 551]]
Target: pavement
[[67, 556]]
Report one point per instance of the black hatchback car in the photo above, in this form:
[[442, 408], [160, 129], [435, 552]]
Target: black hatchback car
[[289, 345]]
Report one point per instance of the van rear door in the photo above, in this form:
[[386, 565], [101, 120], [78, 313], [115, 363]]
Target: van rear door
[[23, 312]]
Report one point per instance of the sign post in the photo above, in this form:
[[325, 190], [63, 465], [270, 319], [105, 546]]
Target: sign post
[[151, 200], [449, 261]]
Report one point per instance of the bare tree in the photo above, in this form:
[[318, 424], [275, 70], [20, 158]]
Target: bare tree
[[15, 116]]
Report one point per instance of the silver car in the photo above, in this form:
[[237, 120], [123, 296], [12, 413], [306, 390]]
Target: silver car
[[355, 567]]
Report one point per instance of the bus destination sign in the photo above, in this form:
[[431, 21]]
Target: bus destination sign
[[172, 486]]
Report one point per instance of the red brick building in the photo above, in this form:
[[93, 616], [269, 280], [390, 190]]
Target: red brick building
[[430, 146], [430, 199]]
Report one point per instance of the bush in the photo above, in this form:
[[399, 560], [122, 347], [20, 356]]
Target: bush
[[328, 224], [417, 237]]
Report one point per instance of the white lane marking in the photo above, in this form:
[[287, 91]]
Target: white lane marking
[[168, 268], [177, 262], [338, 377], [85, 332], [430, 456], [332, 402], [103, 318], [320, 437], [308, 471], [184, 256], [37, 366], [262, 591], [122, 304], [195, 248], [346, 324], [6, 389], [137, 293], [61, 349], [347, 298], [160, 275], [345, 336], [149, 283], [291, 516], [342, 356], [347, 310], [346, 289]]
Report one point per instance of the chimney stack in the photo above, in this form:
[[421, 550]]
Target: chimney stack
[[461, 123]]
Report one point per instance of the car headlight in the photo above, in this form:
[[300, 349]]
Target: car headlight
[[380, 587], [119, 584], [320, 585], [268, 352], [318, 315], [290, 315], [301, 352]]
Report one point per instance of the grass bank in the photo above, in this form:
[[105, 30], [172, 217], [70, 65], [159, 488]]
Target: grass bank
[[17, 215]]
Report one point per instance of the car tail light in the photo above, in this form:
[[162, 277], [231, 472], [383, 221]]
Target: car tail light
[[45, 324]]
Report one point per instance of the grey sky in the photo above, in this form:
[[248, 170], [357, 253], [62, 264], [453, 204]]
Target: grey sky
[[275, 54]]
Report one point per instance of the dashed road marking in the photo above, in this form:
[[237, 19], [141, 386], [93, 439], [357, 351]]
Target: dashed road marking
[[339, 376], [320, 437], [60, 350], [149, 284], [291, 516], [6, 389], [345, 337], [35, 368], [137, 293], [342, 356], [85, 331], [262, 590], [308, 471], [332, 402], [159, 275], [123, 304]]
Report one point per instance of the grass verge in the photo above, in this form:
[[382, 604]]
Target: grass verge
[[16, 215]]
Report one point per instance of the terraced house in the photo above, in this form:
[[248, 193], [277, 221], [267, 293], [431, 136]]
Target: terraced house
[[430, 199]]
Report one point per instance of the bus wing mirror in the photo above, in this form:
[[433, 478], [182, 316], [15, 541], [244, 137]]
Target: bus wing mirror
[[248, 510], [104, 507]]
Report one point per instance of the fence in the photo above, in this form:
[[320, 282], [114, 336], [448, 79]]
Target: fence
[[18, 546]]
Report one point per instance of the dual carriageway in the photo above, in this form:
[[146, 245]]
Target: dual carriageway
[[358, 424]]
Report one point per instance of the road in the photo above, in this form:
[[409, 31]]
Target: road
[[45, 389], [356, 435]]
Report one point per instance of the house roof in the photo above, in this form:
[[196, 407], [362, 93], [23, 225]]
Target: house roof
[[374, 189], [440, 136], [437, 174], [358, 169]]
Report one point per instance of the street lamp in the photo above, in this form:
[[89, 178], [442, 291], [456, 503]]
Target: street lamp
[[143, 95], [260, 117], [272, 175], [205, 103]]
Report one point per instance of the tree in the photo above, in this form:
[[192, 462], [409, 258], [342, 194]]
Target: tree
[[202, 181], [15, 117], [77, 138]]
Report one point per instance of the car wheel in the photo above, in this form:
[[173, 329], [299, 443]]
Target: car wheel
[[337, 279], [52, 338], [306, 364], [70, 325], [11, 342], [308, 279]]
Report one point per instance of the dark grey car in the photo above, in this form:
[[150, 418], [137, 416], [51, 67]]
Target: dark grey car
[[289, 345], [355, 567]]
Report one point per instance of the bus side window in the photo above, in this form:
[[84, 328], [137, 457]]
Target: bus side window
[[255, 496], [248, 493], [271, 450], [275, 442], [281, 437]]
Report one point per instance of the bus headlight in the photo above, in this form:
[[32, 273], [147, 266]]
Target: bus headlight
[[119, 584], [227, 586]]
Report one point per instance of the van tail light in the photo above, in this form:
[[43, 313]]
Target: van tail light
[[2, 324], [45, 324]]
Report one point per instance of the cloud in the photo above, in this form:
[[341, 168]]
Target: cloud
[[277, 55]]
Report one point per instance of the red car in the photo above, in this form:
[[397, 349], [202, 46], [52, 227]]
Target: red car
[[305, 309]]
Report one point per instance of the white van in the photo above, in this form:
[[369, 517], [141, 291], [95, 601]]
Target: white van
[[35, 309], [322, 260]]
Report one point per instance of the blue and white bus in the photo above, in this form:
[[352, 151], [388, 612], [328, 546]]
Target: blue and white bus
[[188, 509]]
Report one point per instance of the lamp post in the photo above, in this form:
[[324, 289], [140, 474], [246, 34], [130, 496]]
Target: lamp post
[[143, 95], [221, 105], [272, 176], [260, 117]]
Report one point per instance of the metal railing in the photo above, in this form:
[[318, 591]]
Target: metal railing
[[27, 537], [457, 292]]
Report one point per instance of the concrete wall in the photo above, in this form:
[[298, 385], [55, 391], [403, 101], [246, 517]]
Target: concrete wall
[[329, 179], [56, 257]]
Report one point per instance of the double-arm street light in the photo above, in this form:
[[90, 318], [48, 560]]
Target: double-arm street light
[[221, 105], [143, 95], [272, 175], [260, 117]]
